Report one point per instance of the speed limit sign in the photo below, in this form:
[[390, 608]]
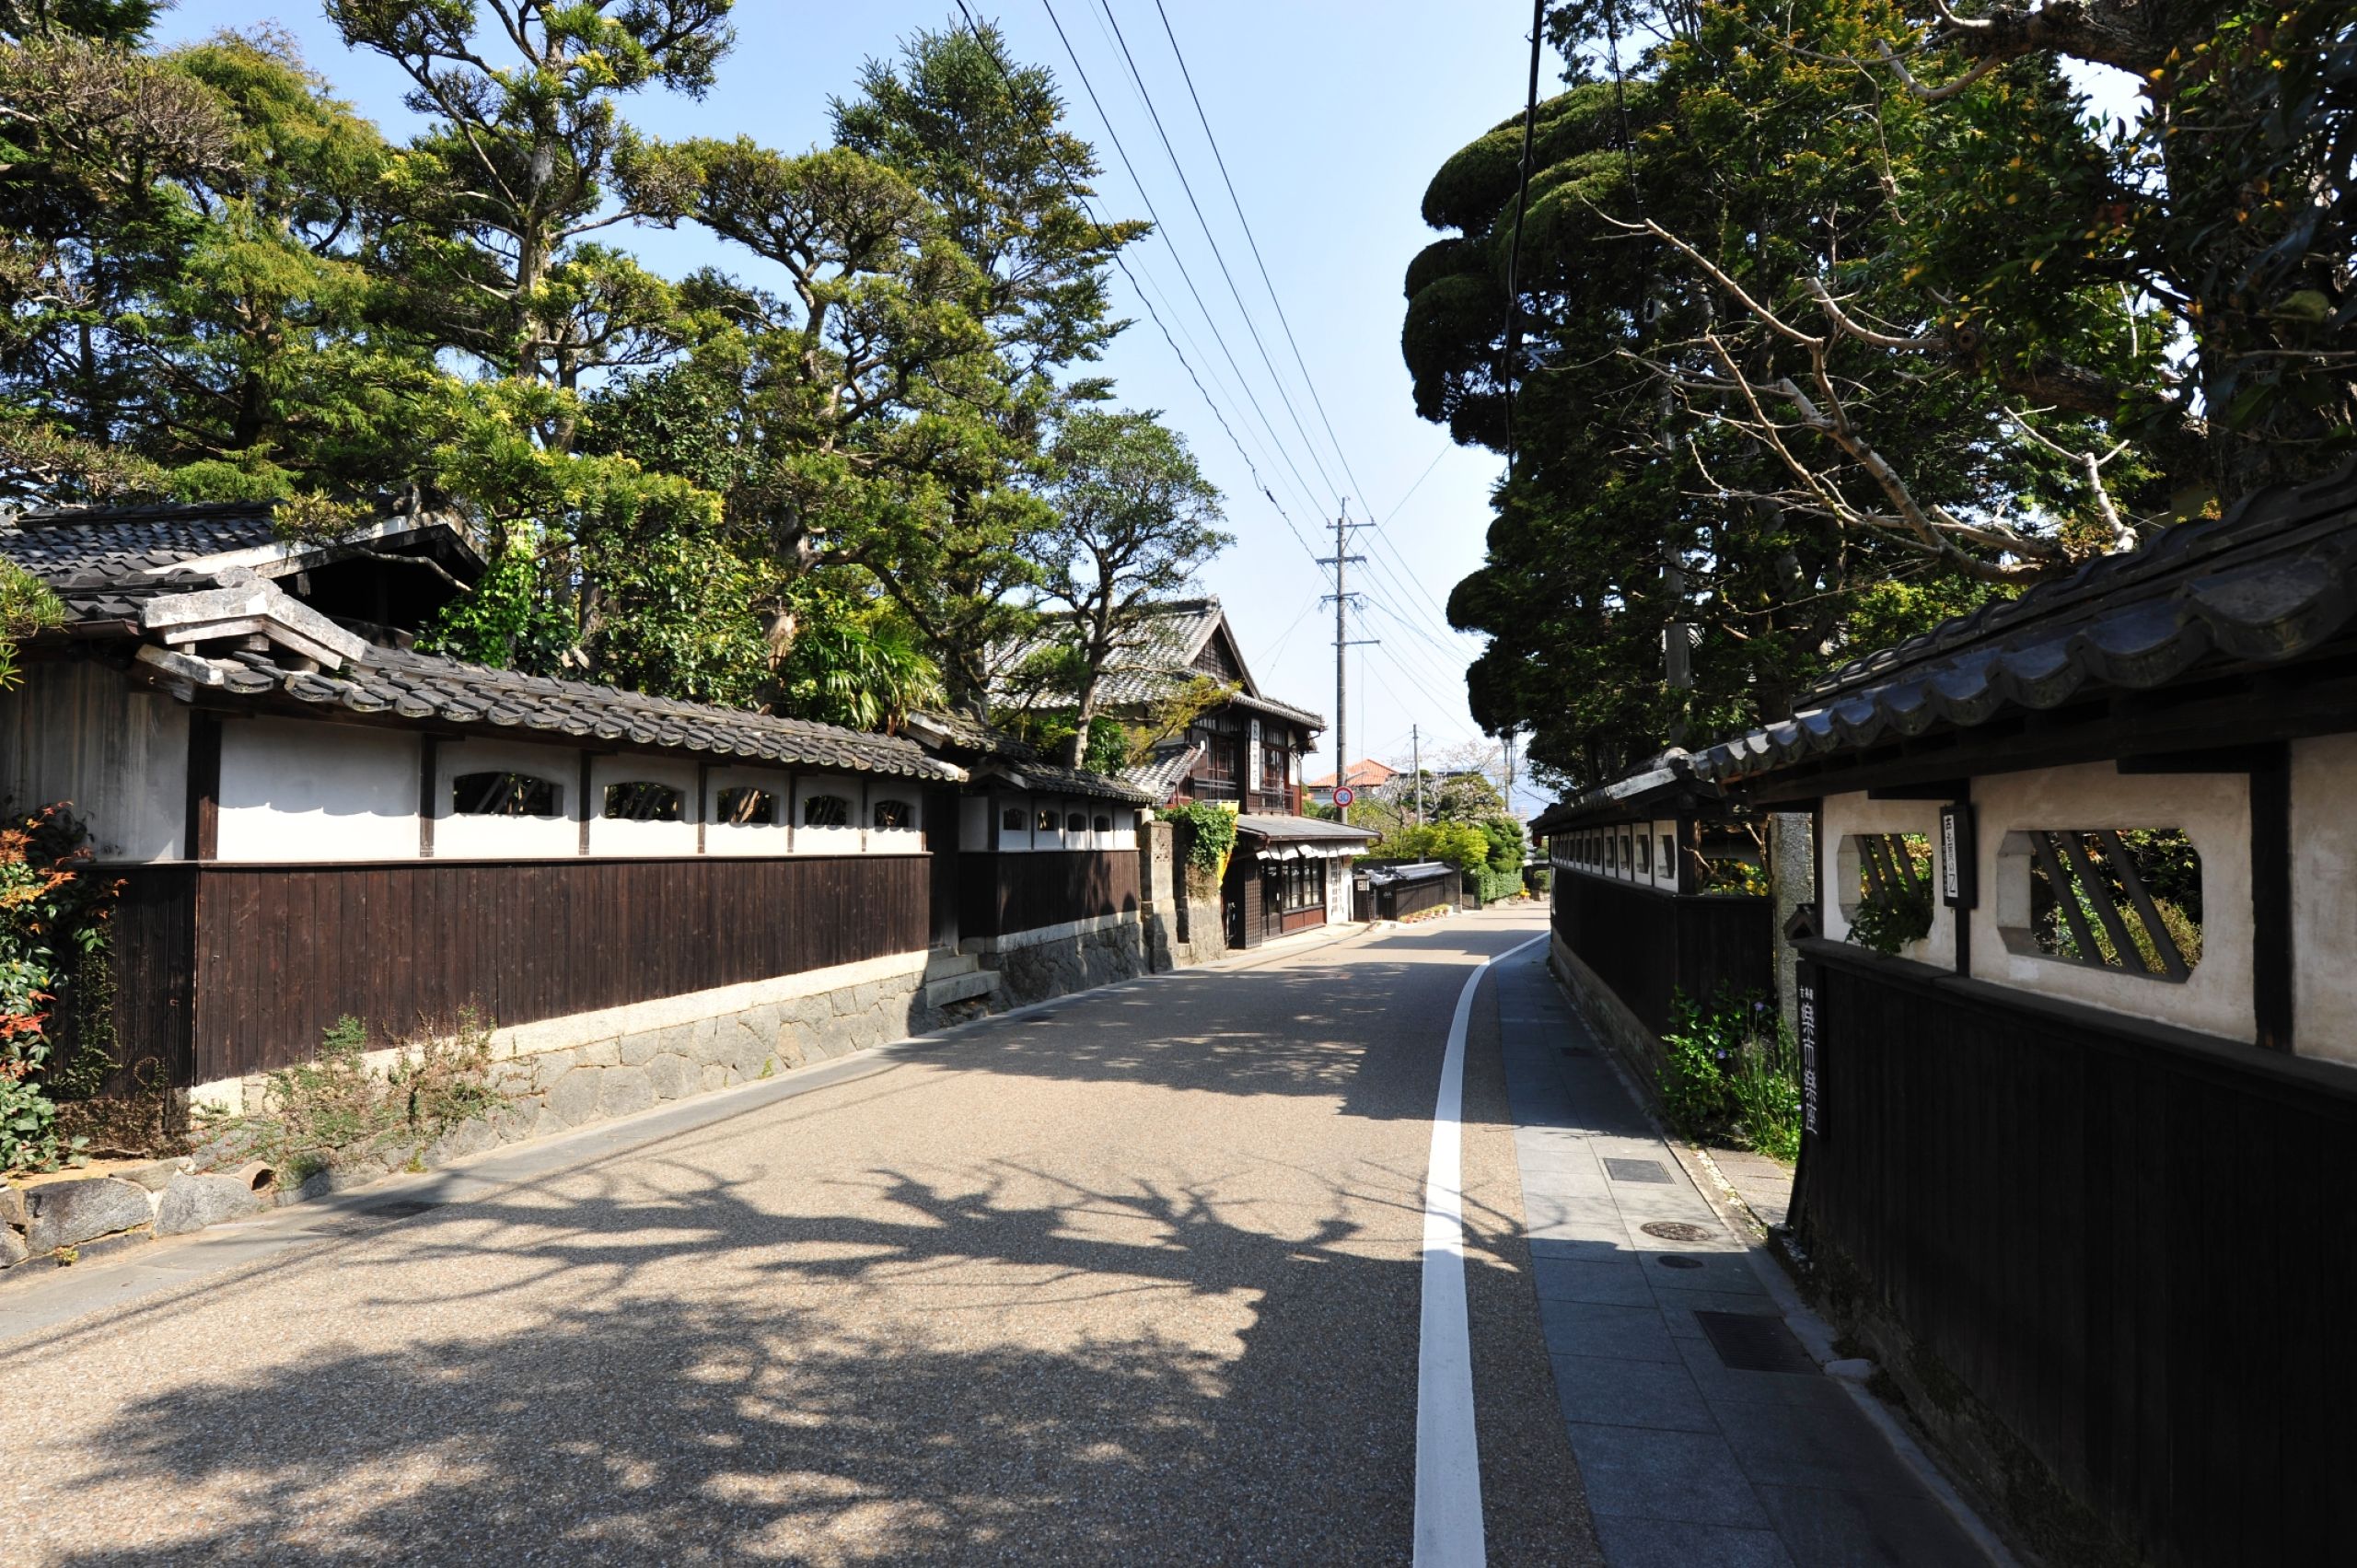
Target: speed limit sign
[[1345, 795]]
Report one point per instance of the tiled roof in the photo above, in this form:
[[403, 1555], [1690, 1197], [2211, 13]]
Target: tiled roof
[[994, 752], [119, 540], [1054, 778], [118, 596], [1367, 773], [2273, 579], [1299, 829], [1160, 774], [1161, 659], [425, 686]]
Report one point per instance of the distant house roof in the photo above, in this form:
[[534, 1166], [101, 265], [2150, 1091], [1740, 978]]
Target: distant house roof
[[1364, 773], [1181, 640]]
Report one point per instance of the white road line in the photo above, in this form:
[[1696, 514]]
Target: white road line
[[1448, 1453]]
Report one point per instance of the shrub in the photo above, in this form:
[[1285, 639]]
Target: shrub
[[52, 924], [1490, 885], [1212, 832], [1732, 1071], [336, 1109]]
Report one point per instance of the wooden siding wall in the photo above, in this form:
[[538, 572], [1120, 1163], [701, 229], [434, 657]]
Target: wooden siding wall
[[1001, 894], [2134, 1249], [1648, 944], [279, 952]]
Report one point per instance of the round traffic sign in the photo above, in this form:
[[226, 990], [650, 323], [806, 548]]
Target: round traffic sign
[[1345, 795]]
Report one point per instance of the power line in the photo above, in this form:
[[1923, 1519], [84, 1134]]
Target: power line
[[1253, 241], [1186, 276], [1219, 256]]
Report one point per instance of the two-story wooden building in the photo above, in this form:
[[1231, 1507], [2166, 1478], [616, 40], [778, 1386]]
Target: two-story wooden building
[[1289, 872]]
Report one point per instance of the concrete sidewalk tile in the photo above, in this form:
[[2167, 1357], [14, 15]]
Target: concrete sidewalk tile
[[1564, 1179], [1674, 1543], [1607, 1391], [1818, 1440], [1617, 1280], [1721, 1385], [1868, 1529], [1664, 1475], [1582, 1247], [1572, 1213], [1722, 1273], [1678, 1306], [1599, 1327]]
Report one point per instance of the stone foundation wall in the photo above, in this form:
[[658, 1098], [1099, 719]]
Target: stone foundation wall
[[1036, 966]]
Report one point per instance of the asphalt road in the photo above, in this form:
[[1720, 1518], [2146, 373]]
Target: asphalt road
[[1134, 1280]]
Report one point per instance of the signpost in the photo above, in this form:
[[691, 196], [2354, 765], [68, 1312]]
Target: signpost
[[1804, 990], [1345, 795]]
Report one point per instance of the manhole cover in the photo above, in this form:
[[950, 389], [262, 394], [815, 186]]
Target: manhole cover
[[1678, 1230], [1747, 1343], [1636, 1170], [1672, 1260]]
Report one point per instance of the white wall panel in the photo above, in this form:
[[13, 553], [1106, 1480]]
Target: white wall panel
[[294, 789]]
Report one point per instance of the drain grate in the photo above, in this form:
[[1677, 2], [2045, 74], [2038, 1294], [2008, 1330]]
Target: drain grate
[[1678, 1230], [1747, 1343], [1672, 1260], [1637, 1170]]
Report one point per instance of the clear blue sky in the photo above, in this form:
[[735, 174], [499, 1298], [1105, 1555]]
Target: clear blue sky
[[1332, 118]]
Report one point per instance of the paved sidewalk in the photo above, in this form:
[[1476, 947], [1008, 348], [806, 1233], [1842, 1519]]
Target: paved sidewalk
[[1704, 1431]]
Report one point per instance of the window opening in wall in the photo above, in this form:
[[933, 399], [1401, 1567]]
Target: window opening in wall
[[1668, 861], [1010, 819], [1045, 822], [2124, 899], [1628, 852], [1077, 822], [1104, 824], [748, 807], [1299, 885], [1887, 888], [1644, 854], [895, 813], [505, 794], [826, 811], [1611, 859], [642, 800]]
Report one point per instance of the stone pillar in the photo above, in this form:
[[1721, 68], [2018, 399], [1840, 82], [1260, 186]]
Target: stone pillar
[[1792, 882], [1161, 896]]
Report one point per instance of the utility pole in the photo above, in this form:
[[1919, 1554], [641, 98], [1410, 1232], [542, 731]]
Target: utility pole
[[1341, 595], [1416, 764]]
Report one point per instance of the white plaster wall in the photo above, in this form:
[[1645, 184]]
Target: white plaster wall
[[294, 789], [2213, 810], [974, 815], [826, 840], [616, 838], [1664, 865], [729, 838], [1125, 827], [1011, 840], [78, 732], [506, 838], [1052, 836], [1847, 814], [896, 841], [2324, 897]]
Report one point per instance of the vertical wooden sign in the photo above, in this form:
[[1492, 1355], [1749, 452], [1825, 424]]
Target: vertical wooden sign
[[1810, 1027]]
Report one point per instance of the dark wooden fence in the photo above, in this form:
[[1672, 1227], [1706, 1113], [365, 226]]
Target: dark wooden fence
[[226, 969], [1004, 894], [1648, 945], [2135, 1246]]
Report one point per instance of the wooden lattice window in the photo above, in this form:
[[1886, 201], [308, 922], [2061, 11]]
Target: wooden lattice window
[[748, 807], [826, 811], [1045, 822], [895, 813], [1886, 888], [1076, 823], [2121, 899], [1104, 823], [644, 800], [506, 795], [1010, 819]]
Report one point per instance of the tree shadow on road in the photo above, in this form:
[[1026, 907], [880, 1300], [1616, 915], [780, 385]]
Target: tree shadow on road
[[714, 1386]]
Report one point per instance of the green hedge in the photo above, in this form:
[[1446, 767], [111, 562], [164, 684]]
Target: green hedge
[[1491, 886]]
